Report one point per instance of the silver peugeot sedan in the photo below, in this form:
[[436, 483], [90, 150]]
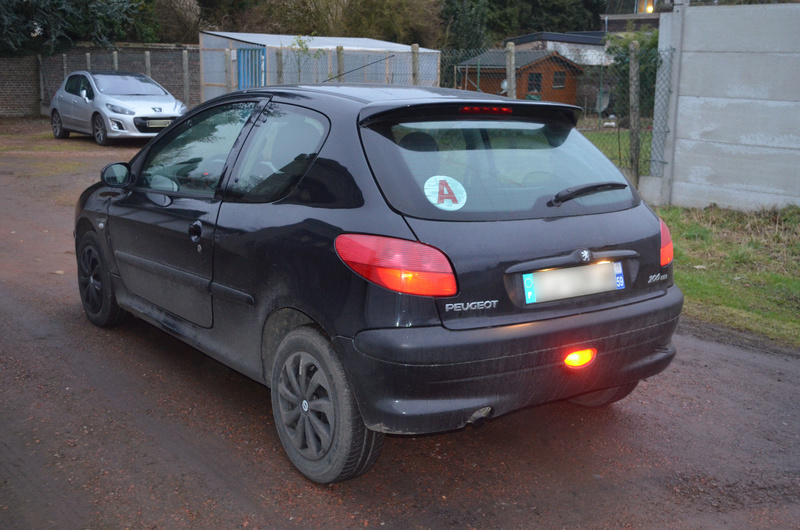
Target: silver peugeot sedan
[[111, 105]]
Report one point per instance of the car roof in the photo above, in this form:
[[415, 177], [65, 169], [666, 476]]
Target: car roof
[[117, 72], [106, 72], [373, 99], [376, 93]]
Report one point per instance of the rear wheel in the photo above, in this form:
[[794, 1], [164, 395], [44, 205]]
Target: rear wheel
[[94, 283], [99, 130], [316, 415], [602, 398], [58, 126]]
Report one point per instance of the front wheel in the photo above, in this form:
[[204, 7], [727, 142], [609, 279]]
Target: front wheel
[[94, 283], [315, 412], [99, 130], [607, 396]]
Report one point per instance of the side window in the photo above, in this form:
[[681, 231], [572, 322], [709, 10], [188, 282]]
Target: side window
[[283, 145], [534, 83], [559, 79], [87, 86], [73, 85], [191, 158]]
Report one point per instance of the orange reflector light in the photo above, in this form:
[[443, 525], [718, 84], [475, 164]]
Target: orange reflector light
[[580, 358]]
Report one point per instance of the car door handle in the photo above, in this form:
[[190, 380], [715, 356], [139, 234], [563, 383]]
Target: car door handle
[[195, 231]]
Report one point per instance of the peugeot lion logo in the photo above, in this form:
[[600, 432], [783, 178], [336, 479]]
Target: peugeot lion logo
[[586, 256], [157, 109]]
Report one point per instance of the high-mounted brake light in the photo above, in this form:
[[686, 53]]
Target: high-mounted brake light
[[666, 245], [407, 267], [485, 110], [580, 358]]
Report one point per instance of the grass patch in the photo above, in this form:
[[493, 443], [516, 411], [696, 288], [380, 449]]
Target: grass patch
[[740, 269], [616, 145], [50, 168], [45, 143]]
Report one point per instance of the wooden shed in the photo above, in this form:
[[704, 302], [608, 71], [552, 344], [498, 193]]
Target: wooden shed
[[541, 75]]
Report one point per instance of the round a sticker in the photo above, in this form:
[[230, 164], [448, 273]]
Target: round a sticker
[[445, 193]]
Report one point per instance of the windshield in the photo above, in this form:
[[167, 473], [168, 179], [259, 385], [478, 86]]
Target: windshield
[[127, 85], [489, 169]]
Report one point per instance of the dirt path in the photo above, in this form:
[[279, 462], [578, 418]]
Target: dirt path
[[130, 428]]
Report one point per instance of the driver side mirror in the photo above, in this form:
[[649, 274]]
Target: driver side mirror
[[85, 95], [117, 175]]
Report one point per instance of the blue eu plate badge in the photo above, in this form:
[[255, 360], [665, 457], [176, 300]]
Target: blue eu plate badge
[[557, 284]]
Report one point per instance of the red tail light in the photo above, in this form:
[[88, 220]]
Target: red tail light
[[666, 245], [407, 267], [486, 110]]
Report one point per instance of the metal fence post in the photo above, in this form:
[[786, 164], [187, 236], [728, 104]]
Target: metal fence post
[[147, 64], [115, 60], [88, 61], [63, 65], [279, 64], [415, 64], [185, 58], [340, 64], [228, 73], [511, 71], [635, 117]]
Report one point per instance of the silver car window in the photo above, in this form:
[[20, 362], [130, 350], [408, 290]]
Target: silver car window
[[73, 85]]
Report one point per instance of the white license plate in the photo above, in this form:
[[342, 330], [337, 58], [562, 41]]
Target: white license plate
[[557, 284], [158, 123]]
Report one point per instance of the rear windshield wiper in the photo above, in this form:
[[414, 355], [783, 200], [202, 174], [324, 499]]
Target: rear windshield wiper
[[584, 189]]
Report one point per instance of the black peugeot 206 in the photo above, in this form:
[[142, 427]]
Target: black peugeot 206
[[386, 259]]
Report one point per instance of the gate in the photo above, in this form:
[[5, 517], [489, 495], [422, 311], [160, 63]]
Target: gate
[[252, 67]]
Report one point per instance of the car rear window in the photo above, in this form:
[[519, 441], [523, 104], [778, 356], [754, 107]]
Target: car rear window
[[488, 168]]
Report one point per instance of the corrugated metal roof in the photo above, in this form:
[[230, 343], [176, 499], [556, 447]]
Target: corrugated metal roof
[[497, 58], [594, 38], [316, 43]]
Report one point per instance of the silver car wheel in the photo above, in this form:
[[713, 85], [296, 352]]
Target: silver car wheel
[[99, 130]]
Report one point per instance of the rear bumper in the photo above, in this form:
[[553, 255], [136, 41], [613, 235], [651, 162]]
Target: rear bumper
[[424, 380]]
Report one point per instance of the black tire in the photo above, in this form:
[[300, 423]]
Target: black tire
[[94, 283], [605, 397], [99, 130], [58, 126], [315, 412]]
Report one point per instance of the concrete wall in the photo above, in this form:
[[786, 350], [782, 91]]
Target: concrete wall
[[734, 119]]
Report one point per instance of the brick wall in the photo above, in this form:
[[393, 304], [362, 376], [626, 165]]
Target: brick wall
[[19, 86], [19, 77]]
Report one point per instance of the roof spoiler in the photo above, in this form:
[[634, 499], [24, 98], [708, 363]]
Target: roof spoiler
[[567, 114]]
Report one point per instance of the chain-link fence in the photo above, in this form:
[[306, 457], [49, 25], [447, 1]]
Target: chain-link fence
[[624, 115], [598, 82], [623, 92]]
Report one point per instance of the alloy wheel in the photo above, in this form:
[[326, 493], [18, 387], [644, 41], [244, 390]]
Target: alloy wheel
[[90, 280], [99, 130]]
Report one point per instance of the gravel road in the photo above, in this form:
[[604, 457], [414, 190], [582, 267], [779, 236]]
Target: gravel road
[[128, 427]]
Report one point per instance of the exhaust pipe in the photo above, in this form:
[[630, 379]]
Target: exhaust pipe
[[478, 417]]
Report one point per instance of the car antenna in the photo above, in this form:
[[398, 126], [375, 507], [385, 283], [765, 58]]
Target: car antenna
[[359, 68]]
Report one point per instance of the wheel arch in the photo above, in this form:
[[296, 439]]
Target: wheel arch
[[83, 225], [278, 324]]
